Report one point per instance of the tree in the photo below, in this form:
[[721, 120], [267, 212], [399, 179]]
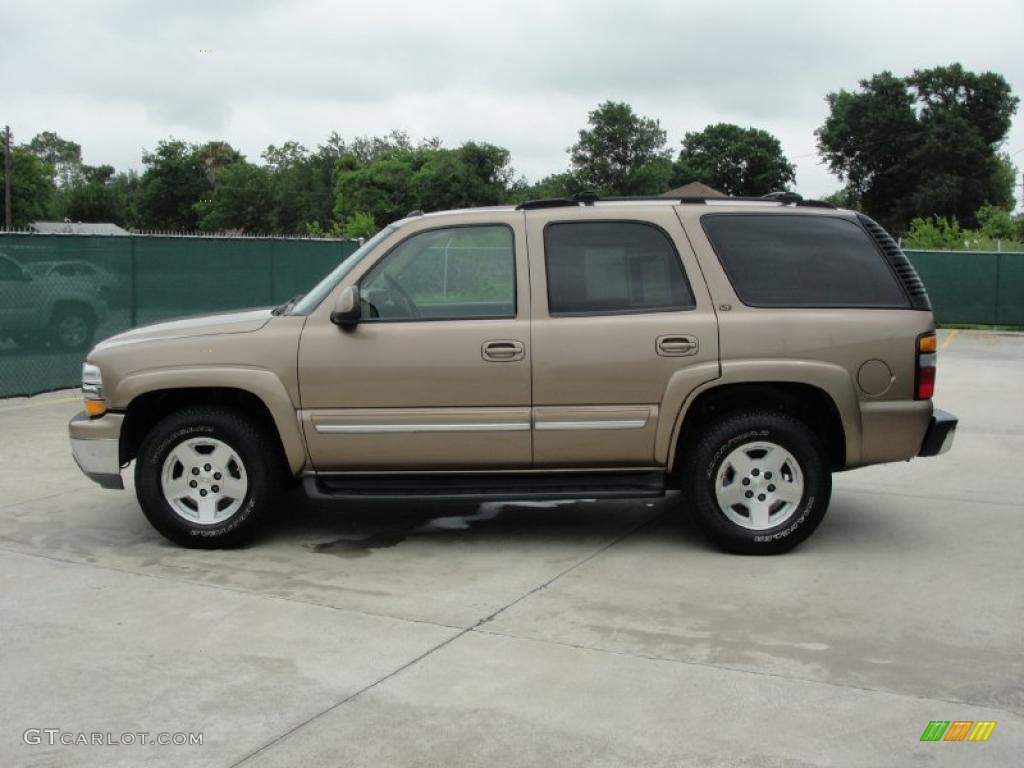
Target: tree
[[94, 196], [31, 186], [621, 153], [735, 160], [64, 157], [922, 145], [242, 199], [387, 177], [174, 181], [360, 225]]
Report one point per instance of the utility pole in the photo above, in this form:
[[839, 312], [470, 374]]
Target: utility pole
[[7, 177]]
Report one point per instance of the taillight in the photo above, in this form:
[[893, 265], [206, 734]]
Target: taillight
[[926, 357]]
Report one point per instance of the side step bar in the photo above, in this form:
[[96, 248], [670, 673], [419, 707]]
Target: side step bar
[[492, 486]]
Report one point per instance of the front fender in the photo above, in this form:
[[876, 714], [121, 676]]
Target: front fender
[[260, 382]]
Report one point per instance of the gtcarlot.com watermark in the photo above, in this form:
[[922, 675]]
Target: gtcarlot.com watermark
[[56, 737]]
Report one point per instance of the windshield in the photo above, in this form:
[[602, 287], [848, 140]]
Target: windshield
[[312, 299]]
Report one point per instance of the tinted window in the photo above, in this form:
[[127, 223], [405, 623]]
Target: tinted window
[[802, 261], [445, 274], [613, 267]]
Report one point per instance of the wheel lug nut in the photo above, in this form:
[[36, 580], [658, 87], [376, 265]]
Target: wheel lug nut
[[771, 488], [207, 467], [202, 492], [755, 472], [216, 489], [767, 475], [746, 481], [749, 494], [192, 484], [216, 475], [760, 497], [195, 470]]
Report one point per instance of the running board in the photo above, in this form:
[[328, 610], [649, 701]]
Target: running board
[[493, 486]]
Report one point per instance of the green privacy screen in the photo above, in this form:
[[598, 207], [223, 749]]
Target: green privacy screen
[[61, 293], [973, 287]]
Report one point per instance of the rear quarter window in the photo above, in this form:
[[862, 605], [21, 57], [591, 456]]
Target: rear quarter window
[[780, 260]]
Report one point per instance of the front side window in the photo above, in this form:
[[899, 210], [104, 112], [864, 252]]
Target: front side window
[[613, 267], [789, 260], [444, 274]]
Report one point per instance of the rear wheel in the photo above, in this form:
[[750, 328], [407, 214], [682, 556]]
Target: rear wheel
[[207, 477], [759, 482]]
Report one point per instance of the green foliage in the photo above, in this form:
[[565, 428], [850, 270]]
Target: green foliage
[[64, 157], [735, 160], [175, 180], [844, 198], [386, 178], [32, 187], [242, 200], [923, 145], [621, 153], [997, 231], [360, 225], [313, 229]]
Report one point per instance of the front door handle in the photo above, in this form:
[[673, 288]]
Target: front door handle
[[676, 346], [503, 350]]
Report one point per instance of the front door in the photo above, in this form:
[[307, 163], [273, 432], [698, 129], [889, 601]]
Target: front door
[[623, 331], [437, 374]]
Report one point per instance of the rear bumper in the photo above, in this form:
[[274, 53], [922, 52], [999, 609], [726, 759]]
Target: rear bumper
[[939, 437], [95, 444]]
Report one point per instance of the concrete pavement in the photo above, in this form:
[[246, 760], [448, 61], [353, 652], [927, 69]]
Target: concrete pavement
[[583, 633]]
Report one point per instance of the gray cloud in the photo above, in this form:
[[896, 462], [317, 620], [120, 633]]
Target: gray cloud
[[117, 76]]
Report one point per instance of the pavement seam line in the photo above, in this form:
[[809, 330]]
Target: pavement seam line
[[461, 633], [39, 498], [943, 497], [740, 670], [233, 590]]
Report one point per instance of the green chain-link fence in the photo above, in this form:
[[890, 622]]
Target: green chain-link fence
[[59, 293]]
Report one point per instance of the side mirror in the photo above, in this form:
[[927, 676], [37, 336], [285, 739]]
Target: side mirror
[[347, 309]]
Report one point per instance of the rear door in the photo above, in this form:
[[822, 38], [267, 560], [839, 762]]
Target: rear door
[[623, 330]]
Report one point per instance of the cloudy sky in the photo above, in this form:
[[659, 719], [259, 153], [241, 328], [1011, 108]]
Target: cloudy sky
[[118, 75]]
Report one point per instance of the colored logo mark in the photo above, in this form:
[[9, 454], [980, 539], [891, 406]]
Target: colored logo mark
[[958, 730]]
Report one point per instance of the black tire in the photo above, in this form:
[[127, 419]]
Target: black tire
[[259, 455], [722, 437], [72, 328]]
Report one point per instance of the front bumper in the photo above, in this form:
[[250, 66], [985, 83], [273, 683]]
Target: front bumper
[[95, 444], [939, 437]]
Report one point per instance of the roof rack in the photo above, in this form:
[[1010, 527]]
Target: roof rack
[[589, 198]]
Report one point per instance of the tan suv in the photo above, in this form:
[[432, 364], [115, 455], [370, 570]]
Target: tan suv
[[739, 350]]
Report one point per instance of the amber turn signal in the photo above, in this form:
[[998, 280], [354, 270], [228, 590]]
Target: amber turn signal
[[927, 343], [95, 407]]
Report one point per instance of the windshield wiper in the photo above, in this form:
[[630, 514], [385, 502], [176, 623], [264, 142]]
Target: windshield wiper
[[286, 307]]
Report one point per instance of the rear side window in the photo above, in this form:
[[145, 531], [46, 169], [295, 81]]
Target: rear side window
[[779, 260], [613, 267]]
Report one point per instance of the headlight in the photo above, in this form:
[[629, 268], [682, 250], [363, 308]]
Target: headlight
[[92, 390]]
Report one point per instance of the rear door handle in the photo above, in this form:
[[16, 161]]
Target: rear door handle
[[503, 350], [676, 346]]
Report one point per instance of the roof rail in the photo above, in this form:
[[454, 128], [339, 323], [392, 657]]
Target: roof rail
[[589, 198]]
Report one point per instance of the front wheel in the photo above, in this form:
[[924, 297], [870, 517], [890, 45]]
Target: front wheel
[[207, 477], [759, 482]]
